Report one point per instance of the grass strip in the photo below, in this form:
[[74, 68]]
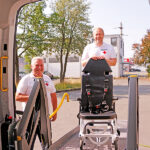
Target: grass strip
[[67, 86]]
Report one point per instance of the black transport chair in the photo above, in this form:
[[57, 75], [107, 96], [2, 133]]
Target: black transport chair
[[97, 116]]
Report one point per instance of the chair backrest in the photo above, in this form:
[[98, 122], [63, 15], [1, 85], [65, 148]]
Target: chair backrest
[[97, 67], [97, 86]]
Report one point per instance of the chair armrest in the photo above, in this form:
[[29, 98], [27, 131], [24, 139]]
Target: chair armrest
[[115, 98], [79, 99]]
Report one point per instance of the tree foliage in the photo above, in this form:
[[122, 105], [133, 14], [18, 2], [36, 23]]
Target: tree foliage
[[65, 31], [71, 29], [137, 52], [31, 38], [142, 51], [33, 25]]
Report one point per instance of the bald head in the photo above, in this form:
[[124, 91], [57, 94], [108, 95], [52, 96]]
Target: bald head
[[35, 59], [97, 29], [98, 35]]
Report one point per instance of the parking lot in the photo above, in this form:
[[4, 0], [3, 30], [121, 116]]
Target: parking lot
[[67, 115], [67, 119]]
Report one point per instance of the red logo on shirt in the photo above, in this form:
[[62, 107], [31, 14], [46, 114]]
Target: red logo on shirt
[[104, 52], [46, 84]]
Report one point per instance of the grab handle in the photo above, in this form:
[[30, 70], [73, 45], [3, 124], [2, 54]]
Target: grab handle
[[1, 76], [65, 95]]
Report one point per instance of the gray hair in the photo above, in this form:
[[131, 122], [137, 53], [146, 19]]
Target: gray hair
[[36, 58], [98, 28]]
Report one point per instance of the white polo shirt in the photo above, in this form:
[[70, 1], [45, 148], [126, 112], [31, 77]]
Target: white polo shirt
[[92, 50], [26, 83]]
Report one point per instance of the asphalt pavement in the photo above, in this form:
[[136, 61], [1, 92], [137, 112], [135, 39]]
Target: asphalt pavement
[[67, 119], [67, 115]]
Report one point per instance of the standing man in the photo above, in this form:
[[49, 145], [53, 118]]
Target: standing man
[[26, 83], [99, 49]]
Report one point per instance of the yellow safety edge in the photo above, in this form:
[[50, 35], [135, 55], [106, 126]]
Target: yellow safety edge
[[144, 145], [1, 76], [65, 95], [134, 75]]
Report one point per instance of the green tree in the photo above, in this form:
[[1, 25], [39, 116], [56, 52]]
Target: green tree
[[70, 28], [148, 70], [65, 31], [32, 28]]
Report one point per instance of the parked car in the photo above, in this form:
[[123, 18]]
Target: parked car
[[138, 70], [21, 74], [135, 70], [49, 74]]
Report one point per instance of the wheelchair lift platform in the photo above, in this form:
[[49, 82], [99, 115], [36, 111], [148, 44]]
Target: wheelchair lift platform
[[89, 135], [96, 130], [71, 141]]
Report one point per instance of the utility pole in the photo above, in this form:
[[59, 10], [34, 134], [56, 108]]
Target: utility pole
[[121, 35], [121, 29]]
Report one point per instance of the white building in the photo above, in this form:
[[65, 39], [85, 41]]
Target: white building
[[117, 42], [74, 67]]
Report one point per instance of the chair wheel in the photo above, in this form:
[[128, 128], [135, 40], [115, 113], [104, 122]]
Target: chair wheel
[[118, 132], [116, 144], [81, 145]]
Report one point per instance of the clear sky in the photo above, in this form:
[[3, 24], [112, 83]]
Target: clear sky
[[134, 15]]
